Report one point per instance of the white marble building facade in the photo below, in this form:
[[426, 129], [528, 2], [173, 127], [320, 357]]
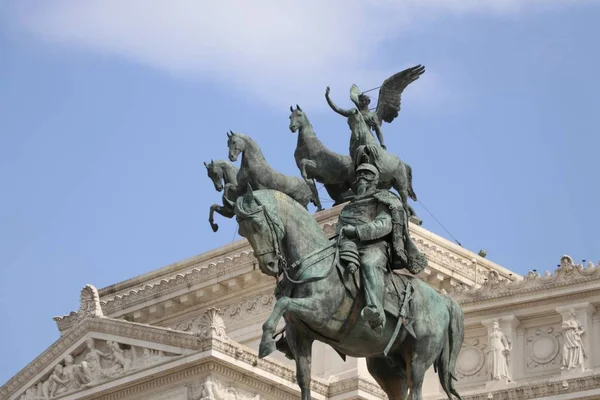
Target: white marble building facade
[[190, 331]]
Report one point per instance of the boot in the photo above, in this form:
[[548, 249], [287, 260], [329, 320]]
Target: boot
[[373, 317]]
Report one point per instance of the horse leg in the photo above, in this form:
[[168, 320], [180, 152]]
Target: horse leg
[[338, 192], [391, 379], [211, 217], [403, 192], [225, 211], [301, 346], [417, 376], [230, 192], [308, 169], [424, 353], [309, 310]]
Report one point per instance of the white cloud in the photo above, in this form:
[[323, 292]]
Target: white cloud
[[281, 51]]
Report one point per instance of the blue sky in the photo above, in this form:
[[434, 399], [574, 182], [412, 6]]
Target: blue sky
[[107, 111]]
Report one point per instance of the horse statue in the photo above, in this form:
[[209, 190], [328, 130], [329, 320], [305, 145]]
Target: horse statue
[[319, 300], [224, 177], [256, 171], [317, 162], [393, 171]]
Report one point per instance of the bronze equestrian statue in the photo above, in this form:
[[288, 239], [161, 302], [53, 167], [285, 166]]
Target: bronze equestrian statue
[[319, 291], [344, 291]]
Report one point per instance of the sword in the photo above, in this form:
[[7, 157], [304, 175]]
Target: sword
[[403, 310]]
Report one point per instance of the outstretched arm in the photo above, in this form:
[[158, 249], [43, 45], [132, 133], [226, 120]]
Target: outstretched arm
[[379, 135], [341, 111]]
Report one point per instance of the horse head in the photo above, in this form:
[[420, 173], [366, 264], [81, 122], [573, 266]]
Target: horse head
[[215, 174], [236, 145], [298, 118], [260, 227]]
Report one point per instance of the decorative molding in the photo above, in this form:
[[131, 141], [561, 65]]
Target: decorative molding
[[95, 367], [211, 325], [543, 388], [125, 329], [337, 388], [158, 335], [496, 287], [471, 363], [543, 348], [238, 311], [171, 284], [437, 249], [214, 389], [89, 308]]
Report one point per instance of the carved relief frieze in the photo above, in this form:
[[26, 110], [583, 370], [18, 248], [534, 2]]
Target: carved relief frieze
[[214, 389], [543, 348], [99, 362]]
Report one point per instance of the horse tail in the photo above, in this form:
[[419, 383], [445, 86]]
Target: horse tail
[[446, 362], [411, 192]]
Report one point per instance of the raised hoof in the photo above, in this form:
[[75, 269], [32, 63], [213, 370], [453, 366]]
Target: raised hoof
[[266, 348], [215, 227]]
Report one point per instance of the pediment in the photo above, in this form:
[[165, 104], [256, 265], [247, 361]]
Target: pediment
[[96, 351]]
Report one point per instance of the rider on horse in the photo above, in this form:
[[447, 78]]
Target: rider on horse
[[374, 234]]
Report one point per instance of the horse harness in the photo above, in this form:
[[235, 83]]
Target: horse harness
[[293, 272]]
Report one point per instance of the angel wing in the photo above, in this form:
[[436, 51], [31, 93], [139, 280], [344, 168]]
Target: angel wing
[[388, 103]]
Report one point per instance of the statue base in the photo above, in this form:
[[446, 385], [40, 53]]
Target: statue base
[[575, 373], [499, 384]]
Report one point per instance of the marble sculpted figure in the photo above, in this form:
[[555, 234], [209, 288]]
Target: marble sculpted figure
[[499, 354], [573, 349], [343, 291], [95, 366]]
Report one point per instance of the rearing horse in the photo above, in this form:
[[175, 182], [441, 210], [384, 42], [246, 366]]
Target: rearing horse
[[256, 171], [288, 241], [317, 162], [224, 177]]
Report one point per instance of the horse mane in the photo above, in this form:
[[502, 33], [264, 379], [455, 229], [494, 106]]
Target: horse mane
[[224, 164], [251, 141], [293, 208]]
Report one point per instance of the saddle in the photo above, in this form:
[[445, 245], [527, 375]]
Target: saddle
[[398, 293], [397, 299]]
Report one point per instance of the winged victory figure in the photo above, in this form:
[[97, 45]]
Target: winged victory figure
[[389, 100]]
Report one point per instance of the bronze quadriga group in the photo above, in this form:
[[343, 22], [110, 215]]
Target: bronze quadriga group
[[343, 291]]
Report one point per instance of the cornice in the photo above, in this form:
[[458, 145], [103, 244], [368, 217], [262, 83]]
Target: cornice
[[567, 274], [541, 389], [237, 259], [354, 384], [453, 253], [206, 258]]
